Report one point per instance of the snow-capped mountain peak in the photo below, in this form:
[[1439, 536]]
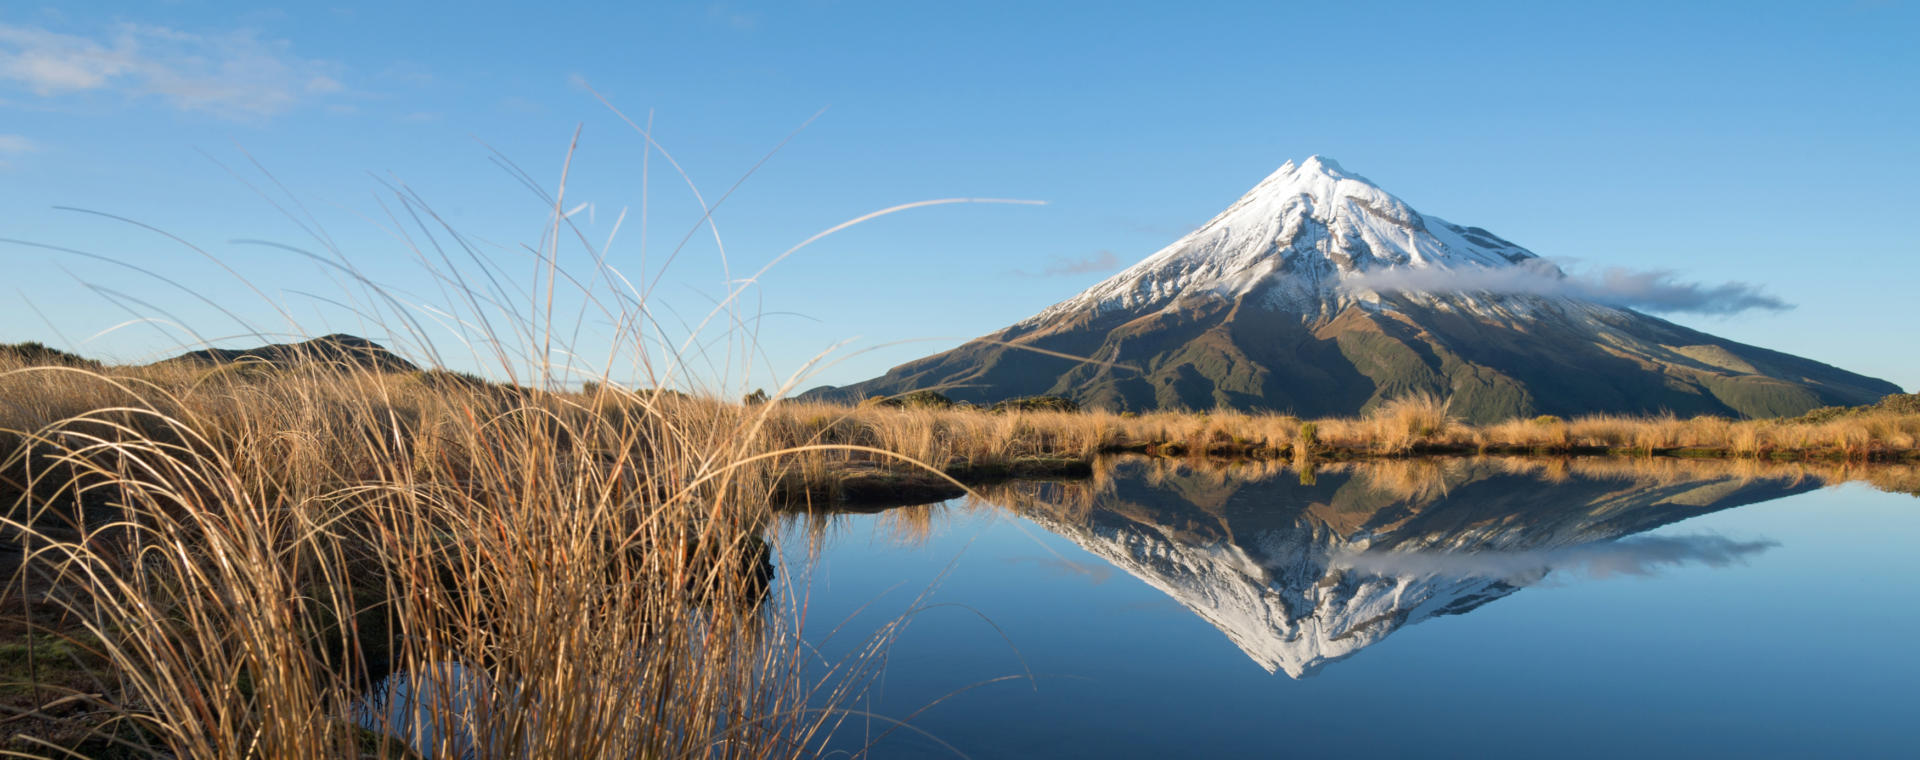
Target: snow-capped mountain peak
[[1293, 239], [1318, 293], [1321, 180]]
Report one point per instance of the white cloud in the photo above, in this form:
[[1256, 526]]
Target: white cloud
[[1656, 290], [234, 74], [16, 144]]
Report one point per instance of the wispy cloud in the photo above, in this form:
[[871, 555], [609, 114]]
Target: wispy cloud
[[1642, 555], [1654, 290], [14, 145], [1103, 261], [235, 74]]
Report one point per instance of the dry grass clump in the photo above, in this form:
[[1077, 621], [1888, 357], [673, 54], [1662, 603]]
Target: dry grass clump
[[1403, 422], [1398, 426], [1544, 432], [1864, 436], [250, 557]]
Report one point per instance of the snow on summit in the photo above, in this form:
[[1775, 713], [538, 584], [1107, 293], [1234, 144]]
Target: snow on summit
[[1295, 237]]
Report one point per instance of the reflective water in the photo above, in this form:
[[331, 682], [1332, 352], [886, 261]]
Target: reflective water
[[1482, 608]]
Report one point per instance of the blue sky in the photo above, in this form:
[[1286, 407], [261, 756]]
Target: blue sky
[[1773, 144]]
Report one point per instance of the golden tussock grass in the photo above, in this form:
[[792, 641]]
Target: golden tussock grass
[[1414, 424], [247, 558]]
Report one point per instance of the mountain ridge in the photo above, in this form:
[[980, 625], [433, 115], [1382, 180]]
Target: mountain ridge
[[1266, 307]]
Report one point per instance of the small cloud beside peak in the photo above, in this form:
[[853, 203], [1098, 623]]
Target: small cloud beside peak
[[1658, 290]]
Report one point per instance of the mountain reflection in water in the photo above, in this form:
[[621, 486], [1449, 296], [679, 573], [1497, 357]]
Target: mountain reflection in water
[[1304, 569]]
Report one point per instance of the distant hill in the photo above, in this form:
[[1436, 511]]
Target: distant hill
[[349, 350], [35, 354], [1266, 308]]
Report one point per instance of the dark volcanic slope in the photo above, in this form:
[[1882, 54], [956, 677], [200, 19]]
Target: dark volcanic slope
[[1261, 309]]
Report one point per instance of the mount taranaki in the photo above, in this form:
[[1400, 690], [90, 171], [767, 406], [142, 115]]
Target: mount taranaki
[[1267, 307]]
